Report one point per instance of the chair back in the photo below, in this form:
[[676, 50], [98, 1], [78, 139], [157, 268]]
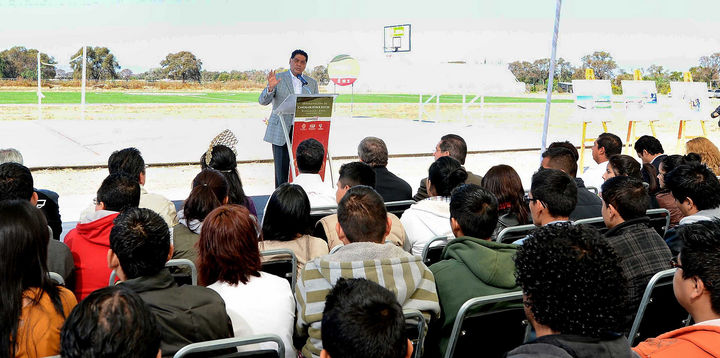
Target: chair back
[[593, 189], [432, 252], [180, 278], [319, 231], [194, 349], [398, 207], [659, 311], [284, 265], [492, 325], [320, 212], [511, 234], [659, 220], [55, 277], [597, 223], [415, 326]]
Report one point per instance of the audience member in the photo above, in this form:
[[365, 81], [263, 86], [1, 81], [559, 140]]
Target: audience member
[[47, 200], [33, 308], [363, 319], [504, 182], [642, 252], [209, 191], [430, 217], [309, 156], [363, 224], [574, 294], [707, 150], [664, 197], [588, 204], [139, 247], [223, 159], [352, 174], [287, 225], [229, 264], [16, 183], [605, 146], [89, 241], [111, 322], [650, 151], [454, 146], [625, 165], [472, 265], [567, 145], [130, 162], [374, 152], [696, 289]]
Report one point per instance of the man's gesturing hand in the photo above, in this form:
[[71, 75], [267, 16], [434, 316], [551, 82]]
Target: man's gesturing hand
[[272, 81]]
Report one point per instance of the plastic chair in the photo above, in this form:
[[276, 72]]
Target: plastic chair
[[511, 234], [283, 266], [598, 223], [218, 344], [415, 327], [55, 277], [659, 220], [659, 311], [432, 252], [398, 207], [170, 263], [592, 189], [490, 332]]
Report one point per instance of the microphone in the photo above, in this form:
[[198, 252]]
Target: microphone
[[300, 77]]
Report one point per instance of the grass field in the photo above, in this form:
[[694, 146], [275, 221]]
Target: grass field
[[229, 97]]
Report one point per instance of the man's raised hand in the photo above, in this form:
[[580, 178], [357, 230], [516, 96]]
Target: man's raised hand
[[272, 81]]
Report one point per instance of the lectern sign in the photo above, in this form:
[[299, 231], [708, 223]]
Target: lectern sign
[[308, 107]]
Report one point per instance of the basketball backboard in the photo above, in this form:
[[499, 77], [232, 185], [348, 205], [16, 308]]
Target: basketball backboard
[[397, 38]]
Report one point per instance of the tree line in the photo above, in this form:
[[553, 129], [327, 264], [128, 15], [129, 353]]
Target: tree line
[[535, 74], [21, 62]]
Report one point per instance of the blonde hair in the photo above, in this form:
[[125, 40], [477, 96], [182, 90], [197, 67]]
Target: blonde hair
[[709, 153]]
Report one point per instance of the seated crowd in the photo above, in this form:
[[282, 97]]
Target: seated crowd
[[358, 265]]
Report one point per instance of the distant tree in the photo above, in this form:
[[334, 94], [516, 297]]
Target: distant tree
[[655, 72], [154, 74], [62, 74], [712, 64], [675, 76], [126, 74], [602, 64], [320, 74], [182, 66], [22, 62], [101, 64], [701, 74], [564, 70], [616, 83]]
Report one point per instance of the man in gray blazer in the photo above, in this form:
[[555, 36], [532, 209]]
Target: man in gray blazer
[[279, 87]]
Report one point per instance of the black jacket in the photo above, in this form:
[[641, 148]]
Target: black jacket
[[588, 204], [569, 346], [185, 314], [390, 186]]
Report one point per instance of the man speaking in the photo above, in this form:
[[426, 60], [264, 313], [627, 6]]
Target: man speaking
[[279, 87]]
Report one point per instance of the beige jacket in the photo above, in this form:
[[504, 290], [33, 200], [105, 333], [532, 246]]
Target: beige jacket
[[305, 248], [397, 232]]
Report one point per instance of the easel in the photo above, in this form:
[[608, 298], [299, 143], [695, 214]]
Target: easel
[[587, 93], [585, 140]]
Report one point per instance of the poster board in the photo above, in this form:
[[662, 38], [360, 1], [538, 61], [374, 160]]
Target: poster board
[[592, 94], [640, 93], [690, 98]]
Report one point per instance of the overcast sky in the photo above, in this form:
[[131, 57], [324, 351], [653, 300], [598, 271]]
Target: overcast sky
[[246, 34]]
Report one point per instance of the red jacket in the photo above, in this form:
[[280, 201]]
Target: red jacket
[[693, 341], [89, 244]]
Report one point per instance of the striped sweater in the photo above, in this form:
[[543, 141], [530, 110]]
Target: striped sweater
[[388, 265]]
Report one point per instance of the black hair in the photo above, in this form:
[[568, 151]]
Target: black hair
[[111, 322], [128, 161], [223, 159], [119, 192], [627, 195], [445, 174], [650, 144], [299, 52], [310, 155], [209, 190], [673, 161], [287, 214], [556, 190], [362, 215], [24, 240], [475, 209], [567, 145], [363, 319], [373, 151], [455, 145], [611, 143], [573, 280], [357, 173], [561, 158], [141, 240], [625, 165], [700, 256], [16, 182], [695, 181]]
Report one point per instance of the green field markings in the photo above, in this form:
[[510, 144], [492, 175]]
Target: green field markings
[[236, 97]]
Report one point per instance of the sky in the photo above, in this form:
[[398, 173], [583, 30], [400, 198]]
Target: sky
[[246, 34]]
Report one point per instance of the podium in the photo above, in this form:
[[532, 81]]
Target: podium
[[312, 115]]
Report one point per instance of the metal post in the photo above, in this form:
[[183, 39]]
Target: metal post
[[39, 92], [84, 79], [551, 75]]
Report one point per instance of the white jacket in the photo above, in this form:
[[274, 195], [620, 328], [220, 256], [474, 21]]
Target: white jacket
[[425, 220]]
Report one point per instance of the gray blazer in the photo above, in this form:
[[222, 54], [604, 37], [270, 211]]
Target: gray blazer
[[273, 132]]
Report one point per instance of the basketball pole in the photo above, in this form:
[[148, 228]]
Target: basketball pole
[[551, 75]]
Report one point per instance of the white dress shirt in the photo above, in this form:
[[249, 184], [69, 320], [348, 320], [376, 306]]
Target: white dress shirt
[[593, 176], [319, 192]]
